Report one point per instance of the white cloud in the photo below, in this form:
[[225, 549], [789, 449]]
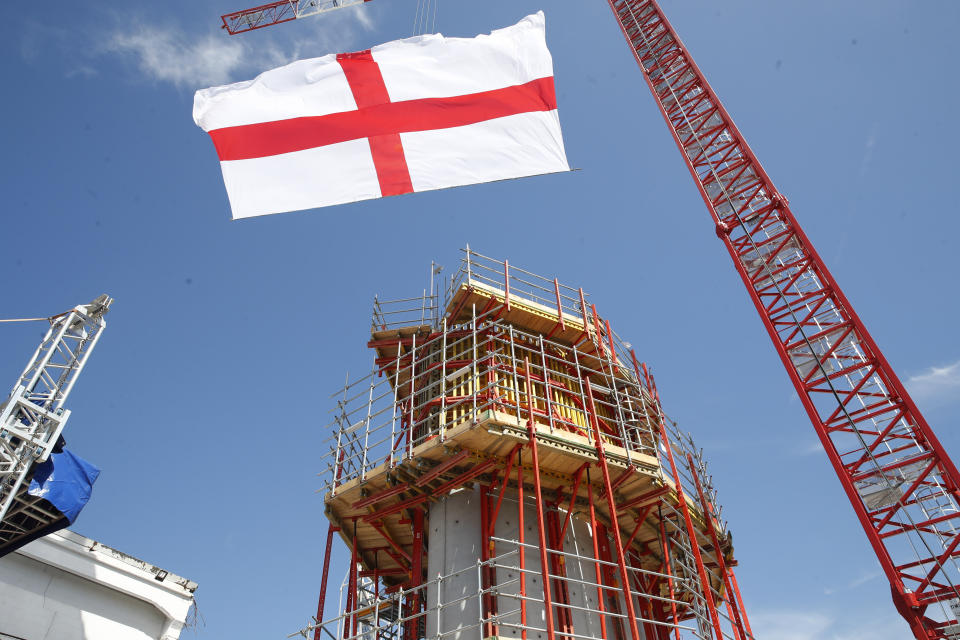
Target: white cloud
[[83, 70], [338, 31], [359, 14], [863, 579], [890, 627], [787, 624], [169, 54], [937, 383], [36, 38], [809, 448], [790, 625]]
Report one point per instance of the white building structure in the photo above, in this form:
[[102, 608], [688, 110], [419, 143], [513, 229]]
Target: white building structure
[[65, 586]]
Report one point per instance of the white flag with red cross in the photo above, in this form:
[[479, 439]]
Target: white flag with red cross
[[424, 113]]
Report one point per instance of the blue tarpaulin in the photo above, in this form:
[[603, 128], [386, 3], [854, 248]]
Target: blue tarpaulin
[[65, 481], [60, 487]]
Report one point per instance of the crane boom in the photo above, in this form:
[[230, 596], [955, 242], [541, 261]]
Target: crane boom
[[900, 481], [33, 416]]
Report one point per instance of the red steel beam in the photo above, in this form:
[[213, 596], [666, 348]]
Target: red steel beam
[[503, 488], [708, 515], [393, 508], [573, 498], [459, 480], [594, 534], [351, 628], [558, 568], [522, 550], [612, 506], [613, 352], [538, 495], [486, 575], [643, 499], [382, 495], [560, 325], [623, 477], [609, 580], [665, 547], [386, 536], [556, 290], [743, 610], [641, 518], [385, 572], [506, 284], [692, 534], [324, 574], [443, 466], [465, 477], [598, 335]]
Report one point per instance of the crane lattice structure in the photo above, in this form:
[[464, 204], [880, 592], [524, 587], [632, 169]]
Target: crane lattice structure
[[902, 484], [276, 12], [33, 416], [904, 488]]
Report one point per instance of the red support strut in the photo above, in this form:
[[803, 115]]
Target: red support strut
[[612, 506], [541, 507], [325, 573]]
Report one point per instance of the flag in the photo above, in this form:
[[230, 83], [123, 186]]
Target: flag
[[418, 114]]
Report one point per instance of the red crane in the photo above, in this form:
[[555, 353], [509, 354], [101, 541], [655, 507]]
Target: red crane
[[900, 481]]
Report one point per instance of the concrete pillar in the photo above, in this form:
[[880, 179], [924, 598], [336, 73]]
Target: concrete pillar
[[454, 550]]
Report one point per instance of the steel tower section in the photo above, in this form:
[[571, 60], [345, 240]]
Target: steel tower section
[[33, 416], [901, 482]]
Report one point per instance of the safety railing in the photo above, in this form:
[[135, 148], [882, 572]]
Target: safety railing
[[509, 281], [423, 310], [569, 303], [432, 385], [518, 282]]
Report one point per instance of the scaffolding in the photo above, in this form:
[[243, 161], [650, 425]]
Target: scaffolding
[[505, 399]]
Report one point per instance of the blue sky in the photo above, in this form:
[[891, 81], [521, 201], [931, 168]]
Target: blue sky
[[204, 403]]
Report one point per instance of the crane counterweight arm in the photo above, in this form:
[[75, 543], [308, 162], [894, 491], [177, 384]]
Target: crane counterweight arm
[[279, 12], [903, 486]]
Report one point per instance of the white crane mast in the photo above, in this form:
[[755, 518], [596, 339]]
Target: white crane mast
[[33, 416]]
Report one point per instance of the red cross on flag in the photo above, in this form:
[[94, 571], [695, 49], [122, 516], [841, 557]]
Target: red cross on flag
[[424, 113]]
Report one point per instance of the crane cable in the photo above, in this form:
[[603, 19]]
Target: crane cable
[[425, 17], [48, 318]]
